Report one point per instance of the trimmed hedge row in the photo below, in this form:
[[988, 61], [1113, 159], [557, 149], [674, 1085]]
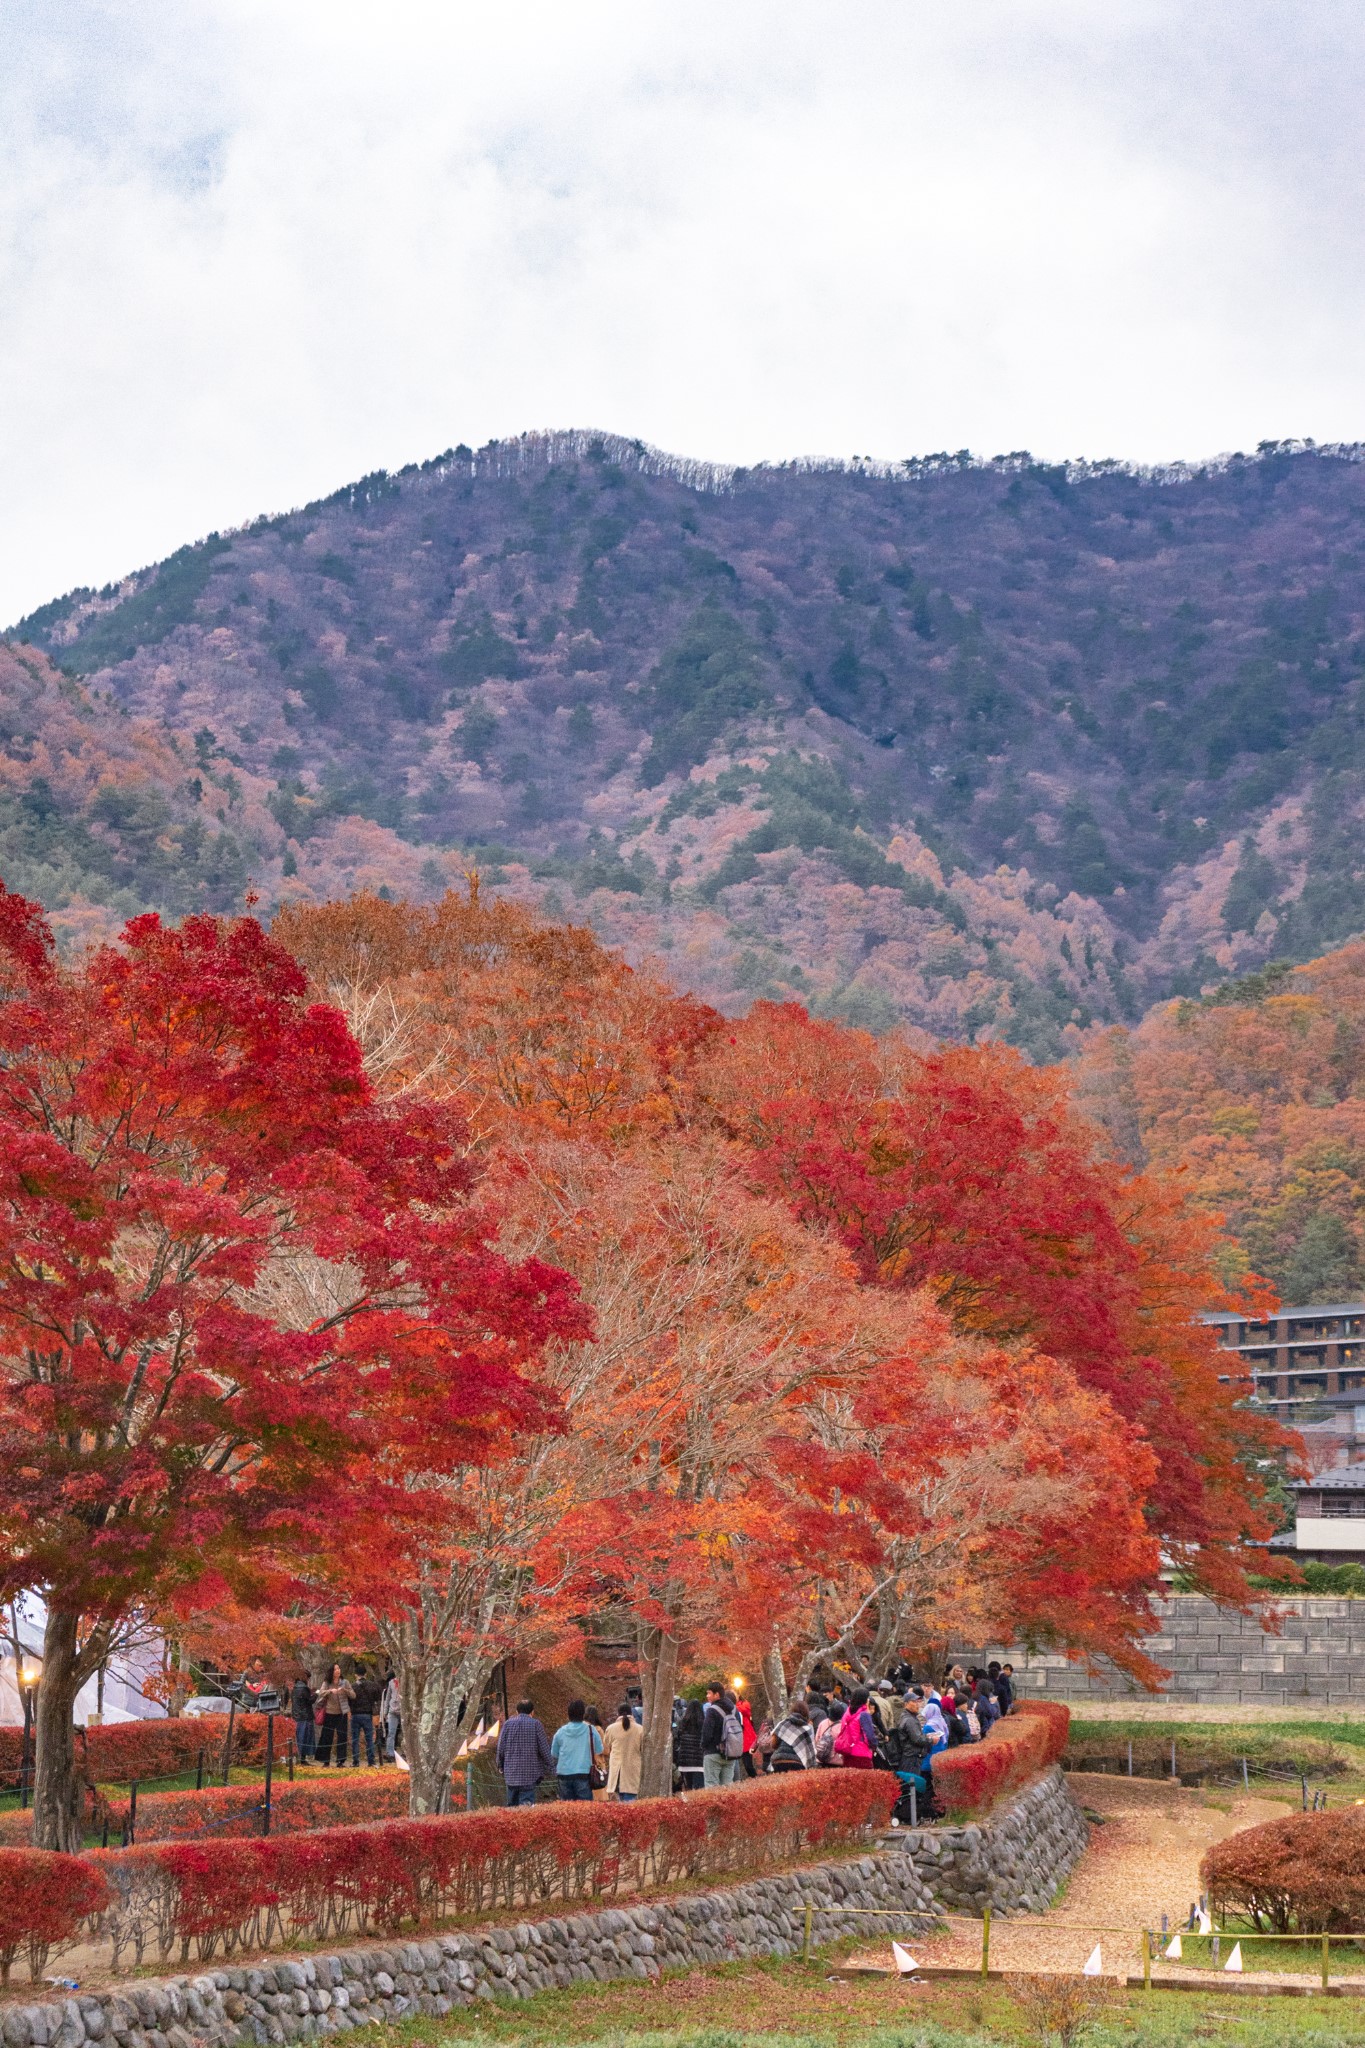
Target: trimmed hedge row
[[1304, 1874], [45, 1900], [973, 1778], [222, 1812], [123, 1750], [215, 1898]]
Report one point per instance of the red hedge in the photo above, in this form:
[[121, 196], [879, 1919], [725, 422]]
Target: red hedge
[[972, 1778], [1304, 1874], [411, 1874], [220, 1812], [123, 1750], [44, 1900]]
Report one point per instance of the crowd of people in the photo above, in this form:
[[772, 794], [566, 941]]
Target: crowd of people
[[364, 1710], [895, 1725]]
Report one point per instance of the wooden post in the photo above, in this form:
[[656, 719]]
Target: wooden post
[[1326, 1960], [805, 1942], [985, 1941], [1130, 1757], [1146, 1959]]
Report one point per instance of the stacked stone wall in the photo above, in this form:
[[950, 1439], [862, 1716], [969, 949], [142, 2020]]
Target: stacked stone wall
[[1013, 1861], [1219, 1658]]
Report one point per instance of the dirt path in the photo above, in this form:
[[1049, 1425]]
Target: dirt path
[[1143, 1861]]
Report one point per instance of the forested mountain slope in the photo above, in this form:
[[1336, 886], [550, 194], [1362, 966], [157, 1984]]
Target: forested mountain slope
[[1257, 1094], [988, 747]]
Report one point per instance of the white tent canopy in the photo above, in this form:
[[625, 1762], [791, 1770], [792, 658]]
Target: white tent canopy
[[22, 1622]]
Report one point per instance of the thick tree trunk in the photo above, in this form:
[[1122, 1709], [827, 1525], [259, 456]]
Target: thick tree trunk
[[440, 1707], [58, 1785], [658, 1681]]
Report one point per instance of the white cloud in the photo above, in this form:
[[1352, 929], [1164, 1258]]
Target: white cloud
[[250, 251]]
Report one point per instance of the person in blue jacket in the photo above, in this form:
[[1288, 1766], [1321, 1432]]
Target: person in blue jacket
[[574, 1751]]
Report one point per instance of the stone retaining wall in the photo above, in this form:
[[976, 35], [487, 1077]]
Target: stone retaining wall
[[1217, 1658], [299, 1998], [1014, 1862]]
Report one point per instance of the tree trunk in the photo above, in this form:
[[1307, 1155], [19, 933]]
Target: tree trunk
[[775, 1682], [58, 1786], [440, 1707], [659, 1681]]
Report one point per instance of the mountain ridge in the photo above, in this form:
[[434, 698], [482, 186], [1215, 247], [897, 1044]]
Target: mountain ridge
[[990, 747]]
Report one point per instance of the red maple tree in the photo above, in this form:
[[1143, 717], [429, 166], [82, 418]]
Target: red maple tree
[[242, 1302]]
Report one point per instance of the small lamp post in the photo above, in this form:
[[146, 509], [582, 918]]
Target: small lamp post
[[28, 1672]]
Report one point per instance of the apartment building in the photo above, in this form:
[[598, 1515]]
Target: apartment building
[[1307, 1366]]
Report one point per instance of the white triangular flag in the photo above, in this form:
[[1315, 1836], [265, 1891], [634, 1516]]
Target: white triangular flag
[[1094, 1963], [1205, 1924], [1234, 1961], [905, 1962], [1174, 1952]]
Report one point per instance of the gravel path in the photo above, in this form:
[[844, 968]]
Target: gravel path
[[1142, 1862]]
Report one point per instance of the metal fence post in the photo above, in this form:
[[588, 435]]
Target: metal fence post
[[985, 1941], [269, 1770], [199, 1774], [132, 1813]]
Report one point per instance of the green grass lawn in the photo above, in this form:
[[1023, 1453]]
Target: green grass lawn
[[783, 2004]]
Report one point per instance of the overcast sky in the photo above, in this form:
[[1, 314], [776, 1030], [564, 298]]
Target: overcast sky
[[254, 248]]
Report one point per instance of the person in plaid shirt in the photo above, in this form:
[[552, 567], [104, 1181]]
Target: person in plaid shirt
[[523, 1755]]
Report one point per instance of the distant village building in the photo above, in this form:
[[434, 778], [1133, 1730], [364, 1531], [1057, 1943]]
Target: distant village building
[[1329, 1522], [1307, 1366]]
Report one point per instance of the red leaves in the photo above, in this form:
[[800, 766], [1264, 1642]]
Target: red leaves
[[412, 1874], [239, 1299], [1305, 1872], [43, 1901], [974, 1777], [120, 1751]]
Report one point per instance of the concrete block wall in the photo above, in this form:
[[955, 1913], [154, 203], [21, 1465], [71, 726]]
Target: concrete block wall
[[1220, 1658]]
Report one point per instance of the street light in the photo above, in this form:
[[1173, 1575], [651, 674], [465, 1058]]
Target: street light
[[28, 1671]]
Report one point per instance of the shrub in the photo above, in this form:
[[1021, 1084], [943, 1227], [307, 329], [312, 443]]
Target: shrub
[[220, 1896], [1304, 1874], [971, 1779], [222, 1812], [123, 1750], [44, 1900]]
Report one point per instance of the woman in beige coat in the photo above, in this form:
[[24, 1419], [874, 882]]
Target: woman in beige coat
[[621, 1745]]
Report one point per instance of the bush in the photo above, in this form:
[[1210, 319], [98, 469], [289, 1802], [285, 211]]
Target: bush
[[412, 1874], [971, 1779], [222, 1812], [1304, 1874], [44, 1901], [124, 1750]]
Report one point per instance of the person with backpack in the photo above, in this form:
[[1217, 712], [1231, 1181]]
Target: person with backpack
[[749, 1762], [1004, 1688], [987, 1705], [302, 1701], [718, 1765], [793, 1741], [855, 1745], [826, 1730], [908, 1751]]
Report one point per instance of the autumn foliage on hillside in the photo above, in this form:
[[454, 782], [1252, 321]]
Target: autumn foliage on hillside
[[1255, 1098]]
